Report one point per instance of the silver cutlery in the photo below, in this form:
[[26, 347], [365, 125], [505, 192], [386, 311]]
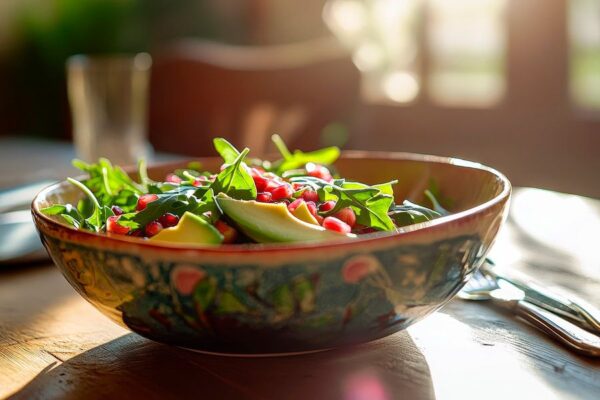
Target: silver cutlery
[[578, 311], [508, 296]]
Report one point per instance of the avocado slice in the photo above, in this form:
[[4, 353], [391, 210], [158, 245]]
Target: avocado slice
[[191, 229], [302, 213], [272, 222]]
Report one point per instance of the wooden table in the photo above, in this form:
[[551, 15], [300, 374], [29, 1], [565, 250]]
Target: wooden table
[[54, 345]]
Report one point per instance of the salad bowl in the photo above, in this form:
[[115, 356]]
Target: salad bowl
[[258, 299]]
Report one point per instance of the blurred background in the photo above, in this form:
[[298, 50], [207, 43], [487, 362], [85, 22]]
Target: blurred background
[[514, 84]]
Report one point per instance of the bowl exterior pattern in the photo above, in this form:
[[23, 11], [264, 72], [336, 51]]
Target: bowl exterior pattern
[[239, 306]]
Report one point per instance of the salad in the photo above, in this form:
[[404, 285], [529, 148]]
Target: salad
[[295, 199]]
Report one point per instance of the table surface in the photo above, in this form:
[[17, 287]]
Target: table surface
[[54, 345]]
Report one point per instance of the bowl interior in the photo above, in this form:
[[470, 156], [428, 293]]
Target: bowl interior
[[464, 185]]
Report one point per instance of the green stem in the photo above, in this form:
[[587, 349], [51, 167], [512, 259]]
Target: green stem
[[143, 173], [279, 143]]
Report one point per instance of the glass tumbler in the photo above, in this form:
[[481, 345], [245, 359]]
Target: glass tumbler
[[108, 96]]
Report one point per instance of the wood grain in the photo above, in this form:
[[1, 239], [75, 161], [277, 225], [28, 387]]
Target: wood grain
[[53, 345]]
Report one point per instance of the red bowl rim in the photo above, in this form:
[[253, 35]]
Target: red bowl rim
[[256, 248]]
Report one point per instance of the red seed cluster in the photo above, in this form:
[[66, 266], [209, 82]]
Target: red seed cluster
[[144, 200]]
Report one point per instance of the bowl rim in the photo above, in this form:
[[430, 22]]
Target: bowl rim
[[257, 248]]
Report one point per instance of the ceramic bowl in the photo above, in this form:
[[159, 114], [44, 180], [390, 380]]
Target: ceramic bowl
[[285, 298]]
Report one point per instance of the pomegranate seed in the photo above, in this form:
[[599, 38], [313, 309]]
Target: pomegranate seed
[[200, 181], [144, 200], [334, 224], [327, 206], [152, 228], [310, 195], [117, 210], [137, 233], [229, 233], [168, 220], [261, 182], [312, 208], [295, 204], [346, 215], [296, 186], [319, 219], [113, 226], [264, 197], [271, 185], [318, 171], [281, 192], [172, 178]]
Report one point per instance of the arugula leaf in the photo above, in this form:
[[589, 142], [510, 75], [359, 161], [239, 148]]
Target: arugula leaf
[[94, 222], [111, 185], [226, 150], [370, 203], [235, 181], [176, 202], [298, 159], [69, 213]]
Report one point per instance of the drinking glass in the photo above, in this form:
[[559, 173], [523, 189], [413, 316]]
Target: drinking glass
[[108, 96]]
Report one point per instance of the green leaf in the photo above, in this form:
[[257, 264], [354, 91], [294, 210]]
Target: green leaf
[[110, 184], [208, 204], [235, 181], [370, 203], [56, 209], [226, 150], [69, 213], [177, 202], [298, 159], [95, 220], [409, 213]]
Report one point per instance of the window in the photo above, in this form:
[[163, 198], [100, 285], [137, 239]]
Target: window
[[465, 48]]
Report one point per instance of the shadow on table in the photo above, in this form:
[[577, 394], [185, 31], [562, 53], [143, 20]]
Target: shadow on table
[[134, 367]]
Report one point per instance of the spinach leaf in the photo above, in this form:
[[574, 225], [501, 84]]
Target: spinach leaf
[[226, 150], [235, 181]]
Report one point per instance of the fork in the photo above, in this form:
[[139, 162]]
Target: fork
[[508, 296]]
